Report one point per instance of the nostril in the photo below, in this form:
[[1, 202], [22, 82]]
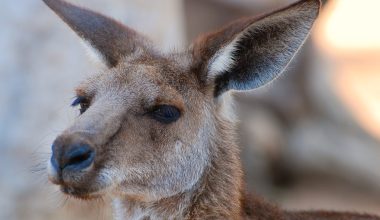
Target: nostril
[[78, 158]]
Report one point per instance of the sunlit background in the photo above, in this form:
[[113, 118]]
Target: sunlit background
[[310, 140]]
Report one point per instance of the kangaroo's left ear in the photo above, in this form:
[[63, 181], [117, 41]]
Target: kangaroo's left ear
[[251, 52], [110, 40]]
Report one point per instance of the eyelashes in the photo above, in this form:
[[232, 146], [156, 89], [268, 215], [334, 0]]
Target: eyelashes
[[77, 101], [83, 102]]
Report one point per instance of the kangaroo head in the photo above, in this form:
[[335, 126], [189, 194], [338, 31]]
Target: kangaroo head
[[148, 119]]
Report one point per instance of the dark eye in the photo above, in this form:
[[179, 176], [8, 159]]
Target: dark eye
[[83, 102], [165, 114]]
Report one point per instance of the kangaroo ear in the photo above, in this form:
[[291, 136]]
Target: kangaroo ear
[[111, 40], [251, 52]]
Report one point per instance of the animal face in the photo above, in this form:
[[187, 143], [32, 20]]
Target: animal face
[[149, 120], [144, 130]]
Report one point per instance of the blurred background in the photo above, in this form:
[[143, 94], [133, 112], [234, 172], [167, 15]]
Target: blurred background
[[310, 140]]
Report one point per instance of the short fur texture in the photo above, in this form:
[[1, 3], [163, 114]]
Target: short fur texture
[[190, 168]]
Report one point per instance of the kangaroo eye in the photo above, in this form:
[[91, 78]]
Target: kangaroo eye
[[83, 102], [165, 113]]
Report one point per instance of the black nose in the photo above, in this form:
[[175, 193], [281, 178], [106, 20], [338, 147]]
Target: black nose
[[74, 157]]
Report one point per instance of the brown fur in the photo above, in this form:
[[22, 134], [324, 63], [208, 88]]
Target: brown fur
[[190, 168]]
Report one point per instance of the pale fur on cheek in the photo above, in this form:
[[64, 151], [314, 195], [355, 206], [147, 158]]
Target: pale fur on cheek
[[226, 106], [119, 212]]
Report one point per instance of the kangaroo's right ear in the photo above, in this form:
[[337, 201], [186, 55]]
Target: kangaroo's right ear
[[251, 52], [111, 40]]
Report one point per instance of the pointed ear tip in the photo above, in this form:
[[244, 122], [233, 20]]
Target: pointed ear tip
[[317, 4], [48, 2], [310, 6], [53, 4]]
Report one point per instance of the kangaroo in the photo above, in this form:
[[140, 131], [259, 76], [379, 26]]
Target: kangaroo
[[152, 131]]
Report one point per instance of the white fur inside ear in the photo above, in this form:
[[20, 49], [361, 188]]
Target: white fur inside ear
[[223, 60], [94, 55]]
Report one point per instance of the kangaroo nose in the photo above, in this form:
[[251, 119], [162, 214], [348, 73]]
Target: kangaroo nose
[[74, 157]]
